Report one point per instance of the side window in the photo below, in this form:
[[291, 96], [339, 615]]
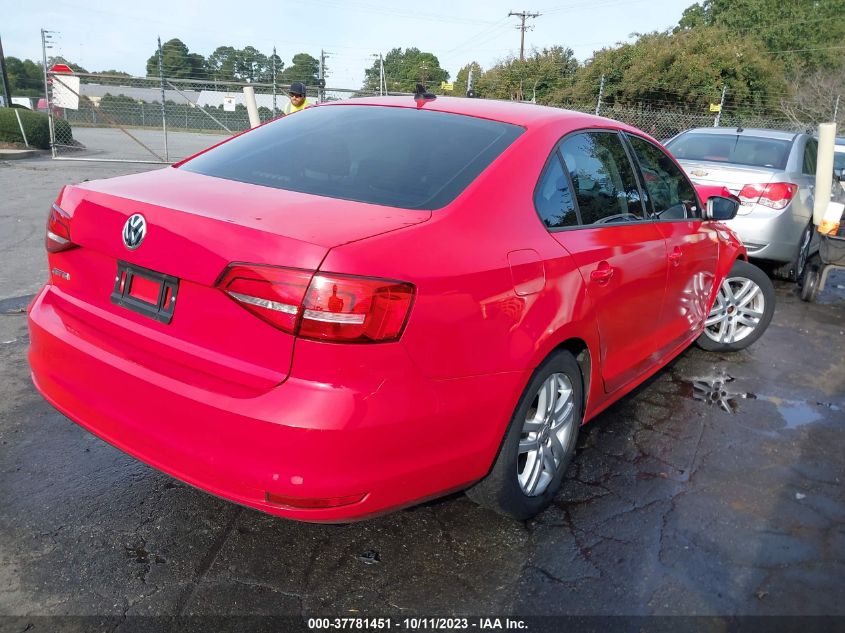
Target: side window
[[553, 198], [670, 192], [605, 187], [811, 150]]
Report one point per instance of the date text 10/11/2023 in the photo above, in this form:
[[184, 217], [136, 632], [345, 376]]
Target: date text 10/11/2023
[[415, 624]]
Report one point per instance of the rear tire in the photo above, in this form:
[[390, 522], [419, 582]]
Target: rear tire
[[741, 312], [538, 444], [812, 279], [794, 270]]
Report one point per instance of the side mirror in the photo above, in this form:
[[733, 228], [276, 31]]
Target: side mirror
[[839, 174], [720, 208]]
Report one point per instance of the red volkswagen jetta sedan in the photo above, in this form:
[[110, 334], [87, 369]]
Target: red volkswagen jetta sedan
[[376, 302]]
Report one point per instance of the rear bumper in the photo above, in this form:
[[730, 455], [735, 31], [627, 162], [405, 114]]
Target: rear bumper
[[769, 234], [389, 436]]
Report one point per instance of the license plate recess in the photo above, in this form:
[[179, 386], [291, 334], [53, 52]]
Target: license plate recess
[[145, 291]]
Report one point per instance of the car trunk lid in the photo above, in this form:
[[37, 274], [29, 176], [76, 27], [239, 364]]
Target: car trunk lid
[[196, 226], [733, 177]]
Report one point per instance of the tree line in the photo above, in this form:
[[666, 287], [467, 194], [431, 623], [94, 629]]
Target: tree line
[[768, 56]]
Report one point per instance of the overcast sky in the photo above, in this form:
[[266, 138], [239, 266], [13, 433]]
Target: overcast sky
[[103, 34]]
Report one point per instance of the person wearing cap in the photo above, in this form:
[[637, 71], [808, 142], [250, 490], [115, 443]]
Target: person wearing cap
[[297, 98]]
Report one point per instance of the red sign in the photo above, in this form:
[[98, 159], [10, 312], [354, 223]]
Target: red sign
[[61, 68]]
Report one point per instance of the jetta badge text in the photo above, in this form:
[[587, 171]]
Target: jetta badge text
[[134, 231]]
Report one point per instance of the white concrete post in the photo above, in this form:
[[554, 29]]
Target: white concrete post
[[252, 108], [824, 170]]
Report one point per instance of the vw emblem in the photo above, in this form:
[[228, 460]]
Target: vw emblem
[[134, 231]]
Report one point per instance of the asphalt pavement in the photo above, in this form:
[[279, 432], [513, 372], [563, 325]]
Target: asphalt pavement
[[715, 489]]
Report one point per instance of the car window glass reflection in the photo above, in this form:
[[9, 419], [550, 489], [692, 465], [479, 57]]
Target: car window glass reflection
[[553, 198], [669, 190], [603, 178]]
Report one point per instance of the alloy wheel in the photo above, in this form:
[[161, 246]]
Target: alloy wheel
[[737, 312], [546, 432]]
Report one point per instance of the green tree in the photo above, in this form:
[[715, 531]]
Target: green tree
[[800, 33], [462, 78], [403, 70], [26, 78], [542, 76], [221, 63], [688, 68], [251, 65], [304, 68], [177, 62]]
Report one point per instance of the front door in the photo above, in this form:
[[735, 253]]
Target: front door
[[692, 245], [619, 250]]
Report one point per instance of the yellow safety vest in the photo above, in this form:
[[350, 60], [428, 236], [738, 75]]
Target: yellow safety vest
[[290, 108]]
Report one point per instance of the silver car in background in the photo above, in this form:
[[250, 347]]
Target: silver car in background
[[774, 175]]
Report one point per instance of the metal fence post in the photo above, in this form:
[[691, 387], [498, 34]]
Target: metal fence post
[[721, 105], [52, 124], [163, 108], [601, 94], [274, 83]]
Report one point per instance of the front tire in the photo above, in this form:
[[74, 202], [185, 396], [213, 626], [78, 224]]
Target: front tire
[[742, 311], [538, 444]]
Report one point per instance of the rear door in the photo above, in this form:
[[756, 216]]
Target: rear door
[[691, 244], [599, 217]]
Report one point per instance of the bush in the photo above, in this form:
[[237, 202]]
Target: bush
[[36, 126]]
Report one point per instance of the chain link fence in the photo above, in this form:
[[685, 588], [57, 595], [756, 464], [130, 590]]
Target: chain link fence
[[120, 118], [150, 119]]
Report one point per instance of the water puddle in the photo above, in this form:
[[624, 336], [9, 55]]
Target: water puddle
[[717, 391]]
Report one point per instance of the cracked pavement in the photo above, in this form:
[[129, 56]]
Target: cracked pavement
[[674, 504]]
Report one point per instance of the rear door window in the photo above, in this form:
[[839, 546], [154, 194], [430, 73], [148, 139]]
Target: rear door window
[[671, 195], [399, 157], [605, 187], [553, 198], [811, 150]]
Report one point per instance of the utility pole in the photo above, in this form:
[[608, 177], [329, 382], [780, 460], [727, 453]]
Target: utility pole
[[721, 105], [163, 107], [382, 79], [322, 76], [423, 72], [6, 93], [601, 94], [835, 106], [470, 91], [524, 15]]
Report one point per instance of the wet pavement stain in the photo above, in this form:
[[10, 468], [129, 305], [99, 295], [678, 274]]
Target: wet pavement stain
[[716, 391]]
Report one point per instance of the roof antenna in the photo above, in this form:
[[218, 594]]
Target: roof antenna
[[422, 95]]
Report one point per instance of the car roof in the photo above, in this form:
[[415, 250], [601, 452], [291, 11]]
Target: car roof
[[517, 113], [746, 131]]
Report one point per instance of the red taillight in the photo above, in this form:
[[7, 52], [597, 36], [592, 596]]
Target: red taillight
[[58, 231], [775, 195], [355, 309], [274, 294], [323, 307]]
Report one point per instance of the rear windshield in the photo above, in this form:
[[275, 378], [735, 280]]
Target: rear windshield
[[399, 157], [740, 149]]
